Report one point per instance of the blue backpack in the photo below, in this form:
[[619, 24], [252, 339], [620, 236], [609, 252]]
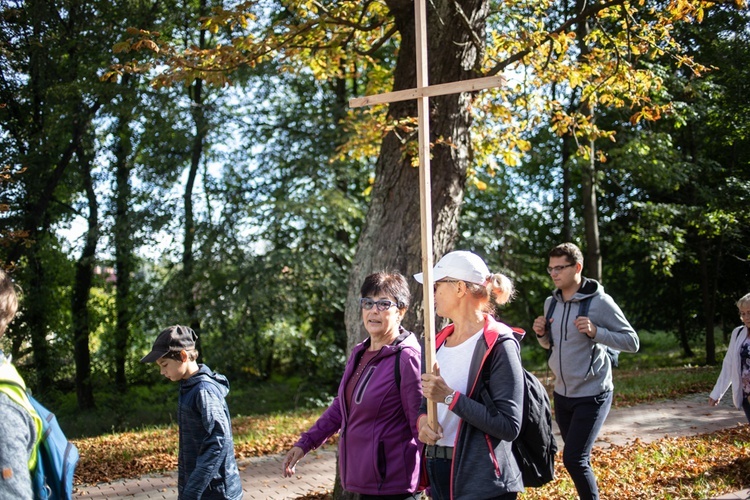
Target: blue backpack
[[56, 460]]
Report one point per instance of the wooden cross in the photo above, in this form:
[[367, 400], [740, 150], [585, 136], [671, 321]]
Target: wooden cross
[[422, 93]]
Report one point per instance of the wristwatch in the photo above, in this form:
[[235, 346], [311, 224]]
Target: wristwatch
[[449, 398]]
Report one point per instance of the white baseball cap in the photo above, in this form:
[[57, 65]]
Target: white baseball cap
[[461, 265]]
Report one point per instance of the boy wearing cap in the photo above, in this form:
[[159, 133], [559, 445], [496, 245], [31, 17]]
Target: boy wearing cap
[[206, 467]]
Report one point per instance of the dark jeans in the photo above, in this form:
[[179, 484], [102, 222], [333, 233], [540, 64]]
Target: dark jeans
[[746, 407], [580, 420], [439, 473]]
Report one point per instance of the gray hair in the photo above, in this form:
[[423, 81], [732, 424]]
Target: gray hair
[[744, 301]]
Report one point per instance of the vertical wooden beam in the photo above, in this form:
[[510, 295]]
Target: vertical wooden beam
[[425, 197], [422, 93]]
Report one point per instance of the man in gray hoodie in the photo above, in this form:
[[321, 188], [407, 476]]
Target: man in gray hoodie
[[579, 360]]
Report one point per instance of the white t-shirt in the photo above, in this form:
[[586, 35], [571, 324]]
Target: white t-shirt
[[454, 365]]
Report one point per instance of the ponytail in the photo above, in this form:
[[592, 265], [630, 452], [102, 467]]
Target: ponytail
[[496, 289], [501, 288]]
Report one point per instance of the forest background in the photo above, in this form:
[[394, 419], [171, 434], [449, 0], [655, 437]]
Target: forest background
[[196, 162]]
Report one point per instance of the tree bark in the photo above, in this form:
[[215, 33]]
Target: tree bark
[[198, 114], [567, 148], [682, 325], [123, 234], [82, 291], [37, 315], [391, 236], [567, 226], [593, 260], [708, 292]]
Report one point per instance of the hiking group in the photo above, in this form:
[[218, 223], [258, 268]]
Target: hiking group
[[492, 434]]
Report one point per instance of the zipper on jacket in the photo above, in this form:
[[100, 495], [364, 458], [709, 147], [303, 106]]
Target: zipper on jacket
[[469, 393], [563, 336], [382, 466], [590, 370], [362, 385], [493, 458]]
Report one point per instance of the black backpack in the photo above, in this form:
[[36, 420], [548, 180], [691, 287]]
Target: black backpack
[[536, 446], [583, 310]]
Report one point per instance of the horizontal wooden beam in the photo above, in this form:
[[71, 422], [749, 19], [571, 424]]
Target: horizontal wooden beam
[[431, 91]]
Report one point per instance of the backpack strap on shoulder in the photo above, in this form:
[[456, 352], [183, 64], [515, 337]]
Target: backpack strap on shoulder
[[547, 317], [399, 347], [551, 308], [612, 354], [17, 393], [485, 376], [583, 306]]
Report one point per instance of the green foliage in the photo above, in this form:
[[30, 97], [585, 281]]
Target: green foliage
[[671, 194], [145, 406], [657, 371], [141, 407], [281, 194]]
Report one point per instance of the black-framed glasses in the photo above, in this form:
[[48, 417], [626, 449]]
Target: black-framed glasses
[[434, 285], [382, 305], [558, 269]]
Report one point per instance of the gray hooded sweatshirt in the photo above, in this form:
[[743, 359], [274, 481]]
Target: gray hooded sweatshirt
[[580, 364]]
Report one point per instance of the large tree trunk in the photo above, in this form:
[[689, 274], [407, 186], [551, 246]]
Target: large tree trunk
[[708, 292], [81, 292], [593, 260], [391, 236], [682, 324], [567, 148], [37, 315], [201, 129], [567, 225], [46, 129], [123, 234]]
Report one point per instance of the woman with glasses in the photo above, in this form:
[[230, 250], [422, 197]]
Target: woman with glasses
[[477, 384], [735, 370], [376, 409]]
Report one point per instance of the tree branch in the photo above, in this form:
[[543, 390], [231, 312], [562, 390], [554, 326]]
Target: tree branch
[[581, 16]]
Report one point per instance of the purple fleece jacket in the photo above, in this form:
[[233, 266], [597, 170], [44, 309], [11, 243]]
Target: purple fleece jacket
[[378, 449]]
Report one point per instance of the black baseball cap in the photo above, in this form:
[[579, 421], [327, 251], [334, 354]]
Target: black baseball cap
[[173, 339]]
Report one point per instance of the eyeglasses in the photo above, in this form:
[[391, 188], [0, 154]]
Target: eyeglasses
[[558, 269], [382, 305], [744, 314], [434, 285]]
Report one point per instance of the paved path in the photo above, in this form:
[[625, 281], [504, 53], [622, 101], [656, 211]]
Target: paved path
[[261, 477]]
